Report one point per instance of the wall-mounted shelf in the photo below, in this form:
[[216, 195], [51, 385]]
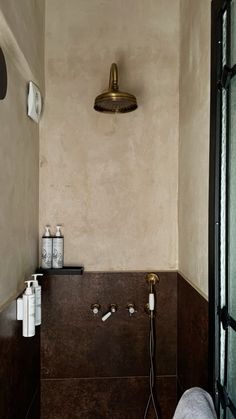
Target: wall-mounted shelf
[[66, 270]]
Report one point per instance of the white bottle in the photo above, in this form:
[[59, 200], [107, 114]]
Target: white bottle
[[58, 249], [28, 311], [37, 292], [46, 255]]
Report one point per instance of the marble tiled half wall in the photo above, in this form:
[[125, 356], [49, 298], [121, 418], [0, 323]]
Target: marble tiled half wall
[[19, 368], [192, 331], [91, 369]]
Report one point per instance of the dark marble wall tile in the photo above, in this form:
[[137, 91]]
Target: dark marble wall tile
[[19, 366], [75, 344], [105, 398], [192, 365], [92, 369]]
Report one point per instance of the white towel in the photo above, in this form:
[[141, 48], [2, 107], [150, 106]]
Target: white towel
[[195, 403]]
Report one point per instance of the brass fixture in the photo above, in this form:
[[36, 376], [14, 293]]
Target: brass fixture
[[113, 308], [146, 309], [95, 308], [113, 100], [152, 278], [131, 309]]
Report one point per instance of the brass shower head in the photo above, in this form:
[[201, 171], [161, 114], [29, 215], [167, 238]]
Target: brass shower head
[[113, 100]]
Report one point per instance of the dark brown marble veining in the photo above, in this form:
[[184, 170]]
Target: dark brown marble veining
[[76, 344], [192, 337], [19, 367], [106, 398], [91, 369]]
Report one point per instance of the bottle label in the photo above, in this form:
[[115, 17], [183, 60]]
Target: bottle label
[[29, 315], [37, 306], [58, 252], [46, 256]]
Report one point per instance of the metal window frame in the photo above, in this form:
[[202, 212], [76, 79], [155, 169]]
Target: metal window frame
[[217, 315]]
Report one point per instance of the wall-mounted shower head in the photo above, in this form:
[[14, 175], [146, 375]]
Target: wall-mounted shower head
[[113, 100]]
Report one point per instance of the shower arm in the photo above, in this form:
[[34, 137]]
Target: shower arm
[[113, 81]]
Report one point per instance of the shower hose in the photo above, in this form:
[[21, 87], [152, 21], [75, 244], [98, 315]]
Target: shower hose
[[151, 398]]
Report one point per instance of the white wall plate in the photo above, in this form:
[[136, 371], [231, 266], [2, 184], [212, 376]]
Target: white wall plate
[[34, 102]]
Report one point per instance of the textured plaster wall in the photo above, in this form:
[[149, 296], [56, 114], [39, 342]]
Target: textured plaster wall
[[25, 19], [111, 180], [194, 141], [19, 144]]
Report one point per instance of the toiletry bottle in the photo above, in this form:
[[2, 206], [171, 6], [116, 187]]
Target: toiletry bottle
[[37, 291], [46, 258], [58, 249], [28, 311]]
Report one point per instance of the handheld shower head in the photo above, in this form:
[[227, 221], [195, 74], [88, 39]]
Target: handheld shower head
[[152, 278]]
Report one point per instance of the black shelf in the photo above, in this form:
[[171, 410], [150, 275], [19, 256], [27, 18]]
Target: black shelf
[[66, 270]]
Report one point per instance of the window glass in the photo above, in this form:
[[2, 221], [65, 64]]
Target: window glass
[[223, 198], [231, 385], [233, 32]]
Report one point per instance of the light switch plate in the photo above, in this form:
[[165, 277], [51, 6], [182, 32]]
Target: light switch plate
[[34, 102]]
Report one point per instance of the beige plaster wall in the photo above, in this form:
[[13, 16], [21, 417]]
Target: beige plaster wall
[[194, 141], [25, 19], [19, 145], [111, 180]]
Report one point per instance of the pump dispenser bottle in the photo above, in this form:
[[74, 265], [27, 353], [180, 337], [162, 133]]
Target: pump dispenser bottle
[[46, 256], [58, 249], [28, 311], [37, 292]]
